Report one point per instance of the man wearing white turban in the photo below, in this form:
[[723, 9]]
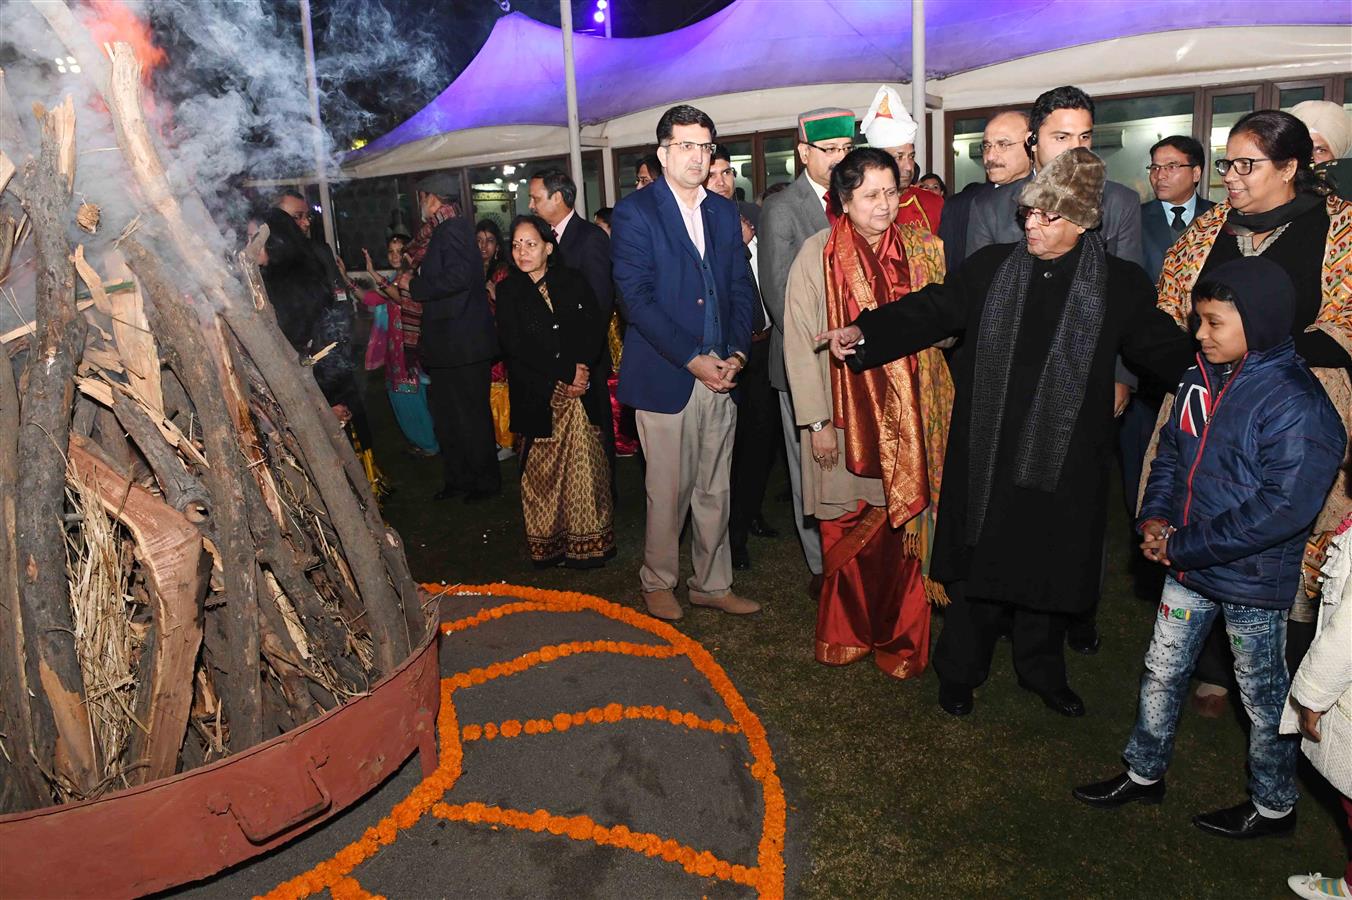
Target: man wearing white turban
[[889, 127]]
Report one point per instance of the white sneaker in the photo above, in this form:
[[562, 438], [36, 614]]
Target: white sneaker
[[1317, 887]]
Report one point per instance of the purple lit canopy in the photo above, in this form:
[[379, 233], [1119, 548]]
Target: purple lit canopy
[[517, 77]]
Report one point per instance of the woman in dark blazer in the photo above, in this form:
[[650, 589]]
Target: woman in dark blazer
[[549, 329]]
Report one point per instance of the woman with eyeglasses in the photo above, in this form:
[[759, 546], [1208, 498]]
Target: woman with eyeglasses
[[549, 328], [1274, 209], [872, 442]]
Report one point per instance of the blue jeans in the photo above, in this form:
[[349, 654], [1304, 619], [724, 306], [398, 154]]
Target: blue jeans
[[1258, 641]]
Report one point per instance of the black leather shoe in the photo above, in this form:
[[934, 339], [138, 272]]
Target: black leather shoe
[[1083, 637], [1062, 700], [741, 559], [956, 699], [760, 528], [1245, 821], [481, 496], [1119, 791], [446, 493]]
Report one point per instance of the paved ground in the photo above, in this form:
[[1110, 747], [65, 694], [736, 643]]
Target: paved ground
[[690, 785]]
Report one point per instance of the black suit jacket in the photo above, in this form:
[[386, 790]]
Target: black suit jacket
[[1156, 235], [586, 247], [543, 347], [457, 323]]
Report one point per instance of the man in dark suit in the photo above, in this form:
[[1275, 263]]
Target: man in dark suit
[[457, 343], [789, 218], [584, 246], [1175, 172], [1004, 156], [687, 293]]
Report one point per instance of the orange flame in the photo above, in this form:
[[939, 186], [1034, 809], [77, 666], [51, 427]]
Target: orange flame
[[112, 21]]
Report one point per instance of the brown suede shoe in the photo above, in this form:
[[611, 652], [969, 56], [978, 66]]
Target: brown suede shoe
[[729, 602], [663, 605]]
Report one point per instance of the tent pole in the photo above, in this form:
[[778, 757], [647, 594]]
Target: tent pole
[[574, 132], [312, 88], [918, 110]]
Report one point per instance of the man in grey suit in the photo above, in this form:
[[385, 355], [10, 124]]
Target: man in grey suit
[[1004, 156], [788, 219], [1060, 119]]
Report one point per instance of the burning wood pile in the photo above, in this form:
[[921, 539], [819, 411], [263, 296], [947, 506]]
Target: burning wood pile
[[191, 560]]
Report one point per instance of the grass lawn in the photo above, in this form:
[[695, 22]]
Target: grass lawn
[[889, 796]]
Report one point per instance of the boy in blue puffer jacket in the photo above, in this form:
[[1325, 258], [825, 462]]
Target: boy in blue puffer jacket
[[1245, 463]]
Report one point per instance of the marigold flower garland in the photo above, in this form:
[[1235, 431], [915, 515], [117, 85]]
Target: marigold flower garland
[[584, 828], [767, 877], [611, 712]]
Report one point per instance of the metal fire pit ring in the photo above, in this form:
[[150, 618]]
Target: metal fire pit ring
[[180, 829]]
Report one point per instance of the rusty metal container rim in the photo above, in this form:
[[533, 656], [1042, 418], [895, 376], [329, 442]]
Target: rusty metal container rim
[[414, 655]]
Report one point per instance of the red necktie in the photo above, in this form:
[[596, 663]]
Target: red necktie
[[831, 214]]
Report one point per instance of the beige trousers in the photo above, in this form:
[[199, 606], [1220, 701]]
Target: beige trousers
[[689, 457]]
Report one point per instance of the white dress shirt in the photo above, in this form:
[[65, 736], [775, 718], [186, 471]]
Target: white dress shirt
[[693, 218]]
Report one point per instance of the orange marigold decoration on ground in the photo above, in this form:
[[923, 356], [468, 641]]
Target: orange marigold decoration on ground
[[767, 877]]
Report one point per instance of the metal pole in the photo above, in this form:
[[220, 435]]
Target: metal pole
[[918, 110], [610, 14], [312, 87], [570, 80]]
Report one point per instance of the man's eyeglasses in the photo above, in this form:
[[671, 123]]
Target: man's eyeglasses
[[831, 151], [1002, 146], [1242, 165], [691, 147], [302, 216], [1040, 216], [1167, 168], [642, 181]]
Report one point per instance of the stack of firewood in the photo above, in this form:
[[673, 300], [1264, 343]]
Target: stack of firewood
[[191, 560]]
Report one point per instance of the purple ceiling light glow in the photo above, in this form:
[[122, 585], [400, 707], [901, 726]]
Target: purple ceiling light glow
[[822, 42]]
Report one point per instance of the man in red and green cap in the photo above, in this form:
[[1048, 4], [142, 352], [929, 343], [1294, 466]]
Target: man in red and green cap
[[788, 219]]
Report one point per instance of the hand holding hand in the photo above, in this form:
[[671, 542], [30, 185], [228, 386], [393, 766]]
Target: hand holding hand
[[841, 341], [711, 372], [1155, 547], [824, 448], [732, 367]]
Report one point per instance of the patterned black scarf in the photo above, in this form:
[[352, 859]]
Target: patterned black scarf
[[1046, 433]]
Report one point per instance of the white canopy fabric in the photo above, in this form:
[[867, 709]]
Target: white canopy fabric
[[514, 87]]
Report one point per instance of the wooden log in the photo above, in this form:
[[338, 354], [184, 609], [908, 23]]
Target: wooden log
[[181, 490], [308, 418], [263, 341], [179, 327], [61, 730], [22, 785], [170, 551]]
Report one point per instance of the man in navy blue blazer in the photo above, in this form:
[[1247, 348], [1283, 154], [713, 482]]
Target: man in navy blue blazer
[[691, 306]]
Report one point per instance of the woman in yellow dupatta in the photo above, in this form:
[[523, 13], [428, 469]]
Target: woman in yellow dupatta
[[873, 442]]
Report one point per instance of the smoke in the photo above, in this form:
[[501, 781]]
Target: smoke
[[229, 102]]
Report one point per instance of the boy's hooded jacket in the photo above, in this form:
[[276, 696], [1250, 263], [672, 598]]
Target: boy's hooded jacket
[[1244, 464]]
